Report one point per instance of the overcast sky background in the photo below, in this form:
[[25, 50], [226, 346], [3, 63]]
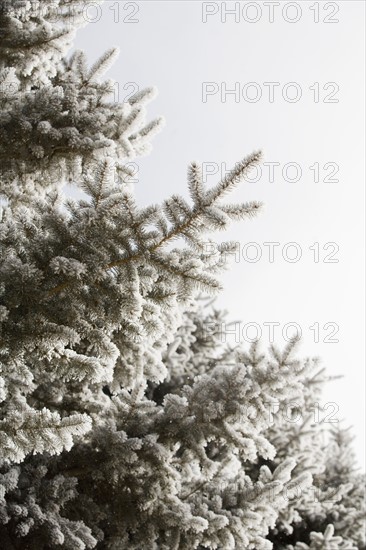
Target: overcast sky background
[[170, 46]]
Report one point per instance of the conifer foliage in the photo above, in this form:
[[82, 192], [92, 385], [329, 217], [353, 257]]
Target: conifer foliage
[[125, 422]]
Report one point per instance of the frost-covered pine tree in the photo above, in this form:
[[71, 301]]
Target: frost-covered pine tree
[[125, 422]]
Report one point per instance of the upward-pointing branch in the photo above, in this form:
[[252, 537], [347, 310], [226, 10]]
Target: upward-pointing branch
[[208, 199]]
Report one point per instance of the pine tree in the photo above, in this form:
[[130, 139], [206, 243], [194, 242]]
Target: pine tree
[[125, 423]]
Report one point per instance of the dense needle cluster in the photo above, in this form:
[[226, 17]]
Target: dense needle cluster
[[125, 422]]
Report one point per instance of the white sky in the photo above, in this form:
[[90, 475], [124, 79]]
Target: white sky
[[169, 46]]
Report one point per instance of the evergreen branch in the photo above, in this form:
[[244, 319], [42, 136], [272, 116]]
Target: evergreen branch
[[198, 211]]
